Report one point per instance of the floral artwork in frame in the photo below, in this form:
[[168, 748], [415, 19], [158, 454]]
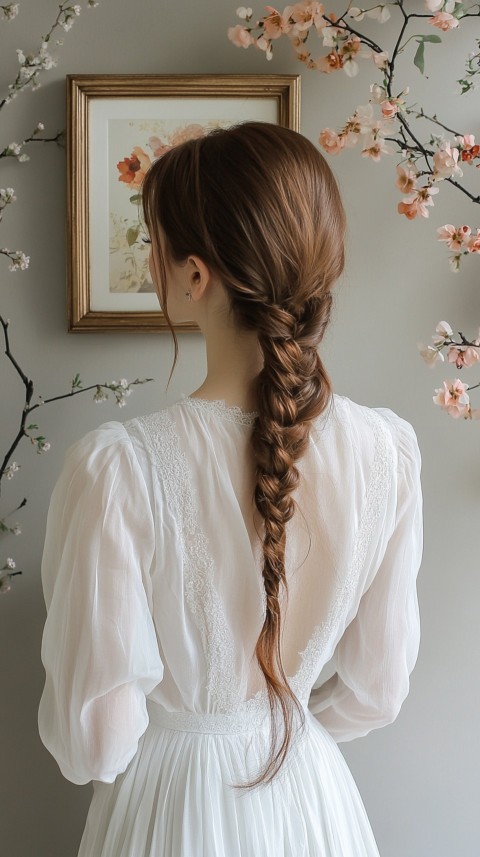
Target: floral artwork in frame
[[117, 126]]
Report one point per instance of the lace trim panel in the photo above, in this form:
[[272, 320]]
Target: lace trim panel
[[218, 408], [201, 596], [375, 499]]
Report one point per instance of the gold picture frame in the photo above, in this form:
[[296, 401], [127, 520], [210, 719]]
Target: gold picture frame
[[106, 114]]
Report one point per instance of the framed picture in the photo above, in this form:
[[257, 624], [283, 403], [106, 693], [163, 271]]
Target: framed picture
[[117, 125]]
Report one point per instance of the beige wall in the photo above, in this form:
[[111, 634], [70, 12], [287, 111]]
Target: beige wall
[[419, 777]]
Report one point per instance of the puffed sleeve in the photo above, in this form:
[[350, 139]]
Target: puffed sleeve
[[99, 647], [378, 650]]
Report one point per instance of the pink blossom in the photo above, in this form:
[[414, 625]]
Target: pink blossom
[[455, 238], [445, 162], [389, 109], [306, 13], [473, 245], [349, 50], [276, 24], [433, 5], [240, 36], [418, 203], [332, 142], [331, 62], [467, 141], [463, 356], [376, 150], [407, 178], [453, 398], [444, 21]]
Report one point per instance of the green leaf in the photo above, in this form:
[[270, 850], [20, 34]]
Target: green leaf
[[435, 39], [137, 198], [32, 426], [132, 235], [419, 58]]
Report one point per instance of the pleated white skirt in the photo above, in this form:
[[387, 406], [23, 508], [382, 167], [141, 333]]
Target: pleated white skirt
[[177, 797]]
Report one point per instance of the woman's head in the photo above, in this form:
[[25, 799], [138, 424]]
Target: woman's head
[[258, 206]]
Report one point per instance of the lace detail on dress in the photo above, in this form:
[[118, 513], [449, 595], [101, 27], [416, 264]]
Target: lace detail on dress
[[218, 408], [239, 720], [375, 499], [201, 596]]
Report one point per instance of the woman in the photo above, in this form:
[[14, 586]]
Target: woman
[[231, 581]]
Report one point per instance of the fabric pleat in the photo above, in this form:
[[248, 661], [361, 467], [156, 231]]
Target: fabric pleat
[[178, 798]]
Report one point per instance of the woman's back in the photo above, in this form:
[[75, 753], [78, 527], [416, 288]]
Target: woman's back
[[175, 611]]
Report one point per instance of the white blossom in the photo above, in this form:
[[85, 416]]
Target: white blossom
[[16, 530], [378, 93], [100, 396], [380, 13], [11, 469], [10, 563], [14, 149], [7, 196], [454, 263], [41, 444], [11, 11], [244, 12], [431, 355], [443, 331], [357, 14], [18, 260]]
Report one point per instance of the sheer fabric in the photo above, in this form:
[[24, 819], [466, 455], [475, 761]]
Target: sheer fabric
[[152, 580]]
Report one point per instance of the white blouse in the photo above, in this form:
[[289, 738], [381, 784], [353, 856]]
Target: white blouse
[[152, 578]]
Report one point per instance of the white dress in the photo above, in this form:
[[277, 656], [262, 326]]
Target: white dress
[[152, 581]]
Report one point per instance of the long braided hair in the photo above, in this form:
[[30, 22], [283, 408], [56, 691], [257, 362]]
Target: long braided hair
[[260, 206]]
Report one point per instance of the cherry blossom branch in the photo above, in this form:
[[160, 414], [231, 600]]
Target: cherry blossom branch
[[31, 65], [423, 165], [14, 150], [121, 389]]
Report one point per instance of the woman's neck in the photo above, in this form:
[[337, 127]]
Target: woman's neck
[[234, 359]]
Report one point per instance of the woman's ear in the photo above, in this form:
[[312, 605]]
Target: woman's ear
[[199, 276]]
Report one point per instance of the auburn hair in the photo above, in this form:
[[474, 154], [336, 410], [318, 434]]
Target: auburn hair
[[260, 206]]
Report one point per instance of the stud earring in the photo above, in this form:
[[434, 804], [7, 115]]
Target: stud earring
[[188, 296]]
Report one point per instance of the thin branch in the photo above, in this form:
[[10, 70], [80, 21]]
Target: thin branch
[[28, 397], [460, 187], [423, 115]]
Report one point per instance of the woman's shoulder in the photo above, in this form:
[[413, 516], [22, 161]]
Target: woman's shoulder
[[372, 424]]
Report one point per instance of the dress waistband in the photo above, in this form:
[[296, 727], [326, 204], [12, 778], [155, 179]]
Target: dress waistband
[[248, 720]]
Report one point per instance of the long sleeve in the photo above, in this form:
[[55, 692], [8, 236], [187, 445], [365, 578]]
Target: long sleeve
[[99, 648], [378, 650]]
